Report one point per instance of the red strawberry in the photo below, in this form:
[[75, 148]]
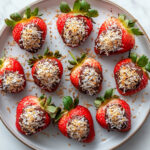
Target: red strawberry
[[112, 112], [12, 78], [86, 75], [116, 35], [74, 26], [47, 70], [130, 74], [75, 121], [34, 114], [29, 31]]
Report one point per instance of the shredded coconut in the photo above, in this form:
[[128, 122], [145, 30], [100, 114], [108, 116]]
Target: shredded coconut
[[90, 80], [32, 119], [128, 78], [115, 117], [78, 128], [12, 82], [47, 72], [109, 40], [75, 31], [31, 38]]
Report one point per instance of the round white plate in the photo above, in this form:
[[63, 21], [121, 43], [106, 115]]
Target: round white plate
[[51, 138]]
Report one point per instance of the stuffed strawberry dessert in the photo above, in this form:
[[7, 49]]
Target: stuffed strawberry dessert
[[29, 31], [34, 114], [86, 74], [112, 112], [74, 26], [47, 70], [12, 78], [75, 121], [116, 35], [131, 74]]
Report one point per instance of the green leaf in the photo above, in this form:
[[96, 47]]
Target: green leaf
[[1, 61], [72, 62], [64, 7], [68, 102], [46, 51], [76, 102], [49, 100], [85, 6], [73, 57], [92, 13], [27, 13], [97, 103], [131, 23], [133, 56], [108, 94], [122, 17], [35, 12], [57, 54], [147, 67], [42, 96], [58, 116], [52, 110], [10, 23], [76, 6], [15, 17], [83, 56], [142, 61], [136, 31]]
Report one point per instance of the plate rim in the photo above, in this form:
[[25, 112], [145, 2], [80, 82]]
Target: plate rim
[[148, 39]]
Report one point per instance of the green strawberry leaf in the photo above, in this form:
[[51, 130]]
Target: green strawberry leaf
[[133, 56], [76, 6], [73, 57], [68, 102], [35, 12], [142, 61], [64, 7], [84, 6], [92, 13], [131, 23], [1, 61], [27, 13], [76, 102], [147, 67], [52, 110], [122, 17], [15, 17], [97, 103], [136, 31], [10, 23], [72, 62], [109, 93], [57, 54], [48, 101]]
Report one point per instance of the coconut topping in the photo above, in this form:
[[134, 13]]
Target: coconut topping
[[128, 78], [48, 74], [109, 40], [32, 119], [31, 38], [90, 80], [116, 117], [78, 128], [75, 31], [12, 82]]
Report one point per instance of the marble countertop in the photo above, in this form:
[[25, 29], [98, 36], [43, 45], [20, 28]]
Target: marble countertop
[[140, 10]]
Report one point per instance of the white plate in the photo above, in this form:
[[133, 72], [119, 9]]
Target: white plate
[[51, 138]]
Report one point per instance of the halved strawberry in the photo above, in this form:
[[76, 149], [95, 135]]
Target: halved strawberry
[[47, 70], [74, 26], [12, 78], [29, 30], [112, 112], [116, 35], [86, 74], [75, 121], [34, 114], [131, 74]]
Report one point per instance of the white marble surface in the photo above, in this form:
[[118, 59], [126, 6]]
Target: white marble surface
[[140, 10]]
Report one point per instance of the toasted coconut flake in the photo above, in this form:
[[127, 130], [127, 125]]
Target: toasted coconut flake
[[78, 128]]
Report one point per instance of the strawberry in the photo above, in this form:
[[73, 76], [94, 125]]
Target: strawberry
[[75, 121], [86, 74], [29, 30], [131, 74], [112, 112], [34, 114], [47, 70], [74, 26], [12, 78], [116, 35]]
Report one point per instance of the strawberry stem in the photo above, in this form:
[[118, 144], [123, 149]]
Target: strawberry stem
[[73, 57]]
